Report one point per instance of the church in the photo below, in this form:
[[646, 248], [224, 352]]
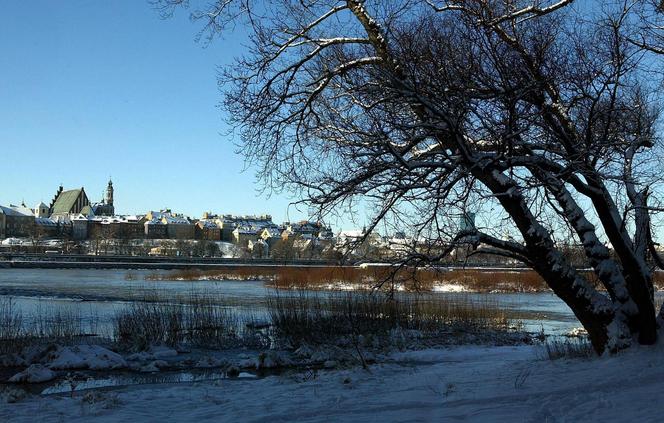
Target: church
[[105, 208], [75, 201]]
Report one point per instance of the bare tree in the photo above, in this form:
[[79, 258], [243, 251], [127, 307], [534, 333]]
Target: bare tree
[[537, 116], [649, 32]]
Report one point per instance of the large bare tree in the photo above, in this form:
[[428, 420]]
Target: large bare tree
[[541, 116]]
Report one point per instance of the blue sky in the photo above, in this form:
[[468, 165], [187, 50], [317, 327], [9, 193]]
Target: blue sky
[[90, 89]]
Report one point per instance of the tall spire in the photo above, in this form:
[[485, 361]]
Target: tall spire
[[109, 192]]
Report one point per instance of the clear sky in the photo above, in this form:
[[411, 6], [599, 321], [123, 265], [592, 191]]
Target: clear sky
[[92, 89]]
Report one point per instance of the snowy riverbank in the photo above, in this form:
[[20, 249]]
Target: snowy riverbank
[[472, 383]]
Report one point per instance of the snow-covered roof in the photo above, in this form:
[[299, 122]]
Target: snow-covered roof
[[273, 231], [13, 210], [46, 221], [207, 224], [356, 233], [106, 220], [248, 230], [175, 220], [259, 222]]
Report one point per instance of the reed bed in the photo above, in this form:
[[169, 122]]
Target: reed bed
[[11, 326], [303, 316], [381, 277], [195, 274], [200, 321], [64, 326], [409, 279], [314, 318], [348, 277]]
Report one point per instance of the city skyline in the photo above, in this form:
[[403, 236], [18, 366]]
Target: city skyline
[[83, 101]]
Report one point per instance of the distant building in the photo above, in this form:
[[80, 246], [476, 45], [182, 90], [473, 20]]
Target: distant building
[[16, 221], [69, 202], [271, 234], [350, 236], [246, 225], [50, 227], [80, 227], [303, 229], [41, 210], [244, 235], [117, 227], [177, 225], [207, 230], [155, 229], [106, 207]]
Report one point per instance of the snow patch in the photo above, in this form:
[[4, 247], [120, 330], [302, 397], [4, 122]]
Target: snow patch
[[36, 373], [91, 357], [449, 287]]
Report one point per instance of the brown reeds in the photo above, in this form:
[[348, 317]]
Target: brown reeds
[[411, 280], [383, 277], [196, 274]]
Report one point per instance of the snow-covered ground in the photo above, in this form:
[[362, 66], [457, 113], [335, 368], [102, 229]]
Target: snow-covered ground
[[468, 383]]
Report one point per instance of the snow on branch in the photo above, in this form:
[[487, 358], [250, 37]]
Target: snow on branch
[[478, 6]]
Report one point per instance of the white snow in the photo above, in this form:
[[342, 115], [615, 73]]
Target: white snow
[[91, 357], [449, 287], [469, 383], [36, 373], [162, 352]]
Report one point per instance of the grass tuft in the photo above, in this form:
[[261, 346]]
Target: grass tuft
[[199, 321], [556, 349]]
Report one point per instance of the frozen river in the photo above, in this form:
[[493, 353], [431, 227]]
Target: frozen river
[[97, 294]]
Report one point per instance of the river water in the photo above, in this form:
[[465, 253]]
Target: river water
[[96, 295]]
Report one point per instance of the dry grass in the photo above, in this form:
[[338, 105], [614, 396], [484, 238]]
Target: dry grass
[[383, 277], [300, 317], [411, 280], [64, 326], [199, 321], [341, 277], [316, 318], [11, 326], [568, 348], [658, 280], [195, 274]]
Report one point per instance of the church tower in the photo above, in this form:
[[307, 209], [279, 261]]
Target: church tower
[[109, 193]]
